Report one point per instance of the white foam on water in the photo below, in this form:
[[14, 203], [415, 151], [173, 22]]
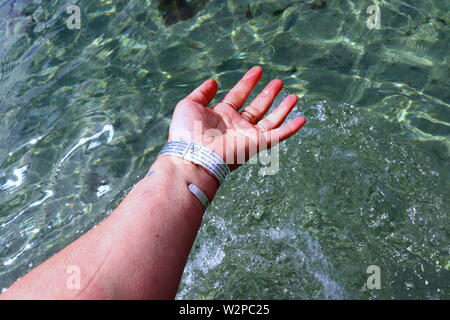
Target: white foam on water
[[304, 253], [316, 262], [332, 289], [209, 256]]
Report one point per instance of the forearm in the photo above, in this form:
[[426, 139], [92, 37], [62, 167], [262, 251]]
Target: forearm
[[139, 251]]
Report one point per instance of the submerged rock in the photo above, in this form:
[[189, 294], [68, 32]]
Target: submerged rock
[[179, 10]]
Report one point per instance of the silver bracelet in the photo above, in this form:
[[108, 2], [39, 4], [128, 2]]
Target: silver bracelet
[[150, 173], [200, 195], [198, 154], [196, 191]]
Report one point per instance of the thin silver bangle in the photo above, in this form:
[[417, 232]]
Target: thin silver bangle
[[200, 195], [150, 173], [196, 191]]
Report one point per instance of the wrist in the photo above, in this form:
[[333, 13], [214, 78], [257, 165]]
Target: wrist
[[200, 155]]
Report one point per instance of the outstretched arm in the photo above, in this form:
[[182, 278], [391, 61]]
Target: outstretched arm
[[140, 250]]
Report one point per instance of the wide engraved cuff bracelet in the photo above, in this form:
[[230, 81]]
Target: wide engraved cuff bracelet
[[198, 154]]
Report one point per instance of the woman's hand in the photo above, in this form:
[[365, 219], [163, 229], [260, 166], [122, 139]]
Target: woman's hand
[[235, 136]]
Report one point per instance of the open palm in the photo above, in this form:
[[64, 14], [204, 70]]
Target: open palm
[[227, 132]]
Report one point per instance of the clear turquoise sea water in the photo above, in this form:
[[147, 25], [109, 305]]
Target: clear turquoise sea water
[[84, 112]]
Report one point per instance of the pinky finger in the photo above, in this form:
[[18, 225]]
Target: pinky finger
[[277, 135]]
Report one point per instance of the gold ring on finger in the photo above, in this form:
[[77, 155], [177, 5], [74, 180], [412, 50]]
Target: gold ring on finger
[[231, 104], [250, 117], [261, 127]]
